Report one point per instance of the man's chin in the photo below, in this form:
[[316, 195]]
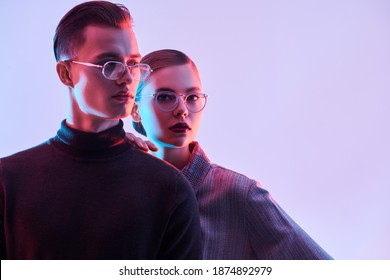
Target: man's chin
[[122, 115]]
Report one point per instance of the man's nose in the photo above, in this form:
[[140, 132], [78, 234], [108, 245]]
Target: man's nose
[[126, 77]]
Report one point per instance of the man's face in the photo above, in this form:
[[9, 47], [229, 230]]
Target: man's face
[[94, 98]]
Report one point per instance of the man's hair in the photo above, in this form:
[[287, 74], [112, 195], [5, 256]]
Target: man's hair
[[159, 60], [69, 34]]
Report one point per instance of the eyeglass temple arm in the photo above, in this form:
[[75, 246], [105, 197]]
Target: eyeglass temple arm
[[87, 64]]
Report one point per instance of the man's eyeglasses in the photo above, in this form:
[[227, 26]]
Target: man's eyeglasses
[[168, 101], [113, 70]]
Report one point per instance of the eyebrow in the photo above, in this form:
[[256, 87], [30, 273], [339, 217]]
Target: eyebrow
[[169, 89], [193, 89], [115, 55]]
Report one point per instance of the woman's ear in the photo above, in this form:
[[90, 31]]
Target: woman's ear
[[135, 113], [63, 71], [137, 120]]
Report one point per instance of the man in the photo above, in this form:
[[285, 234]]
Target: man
[[88, 192]]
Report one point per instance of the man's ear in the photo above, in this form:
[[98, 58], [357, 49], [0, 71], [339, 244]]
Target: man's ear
[[63, 71], [135, 113]]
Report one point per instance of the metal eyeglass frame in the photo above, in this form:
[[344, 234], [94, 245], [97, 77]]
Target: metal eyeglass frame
[[116, 62], [177, 100]]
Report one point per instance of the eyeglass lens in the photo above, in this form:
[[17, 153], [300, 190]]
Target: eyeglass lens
[[168, 101], [114, 70]]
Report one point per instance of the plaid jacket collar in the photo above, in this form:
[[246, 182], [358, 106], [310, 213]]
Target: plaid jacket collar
[[198, 166]]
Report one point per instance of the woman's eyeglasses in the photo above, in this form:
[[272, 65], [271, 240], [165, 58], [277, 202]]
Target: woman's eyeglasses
[[168, 101]]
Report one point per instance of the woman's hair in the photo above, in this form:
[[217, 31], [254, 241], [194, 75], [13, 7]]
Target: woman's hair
[[69, 34], [165, 58], [161, 59], [158, 60]]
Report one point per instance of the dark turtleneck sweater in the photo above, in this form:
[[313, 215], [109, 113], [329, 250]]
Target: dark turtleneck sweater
[[95, 196]]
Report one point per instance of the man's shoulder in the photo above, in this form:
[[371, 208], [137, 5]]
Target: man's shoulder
[[143, 158], [155, 169], [31, 155], [27, 153], [24, 161]]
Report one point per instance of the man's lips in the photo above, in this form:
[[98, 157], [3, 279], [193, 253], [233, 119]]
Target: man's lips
[[180, 127], [123, 96]]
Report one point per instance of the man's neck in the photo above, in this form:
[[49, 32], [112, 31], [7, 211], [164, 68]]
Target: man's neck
[[86, 122], [90, 125]]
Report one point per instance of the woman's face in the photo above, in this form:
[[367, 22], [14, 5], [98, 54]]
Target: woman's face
[[178, 127]]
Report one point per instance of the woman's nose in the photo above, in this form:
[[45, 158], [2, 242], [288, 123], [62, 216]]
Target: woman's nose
[[181, 107]]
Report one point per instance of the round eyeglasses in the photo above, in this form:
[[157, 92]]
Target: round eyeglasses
[[168, 101], [113, 70]]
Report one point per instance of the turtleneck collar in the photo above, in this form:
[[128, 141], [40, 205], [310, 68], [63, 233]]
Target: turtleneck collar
[[89, 140], [80, 143]]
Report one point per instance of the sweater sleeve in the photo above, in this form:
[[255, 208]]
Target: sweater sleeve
[[273, 234], [182, 239], [3, 255]]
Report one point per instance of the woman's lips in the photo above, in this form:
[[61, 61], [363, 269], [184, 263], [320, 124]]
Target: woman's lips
[[180, 128]]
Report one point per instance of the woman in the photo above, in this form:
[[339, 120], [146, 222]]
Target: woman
[[239, 219]]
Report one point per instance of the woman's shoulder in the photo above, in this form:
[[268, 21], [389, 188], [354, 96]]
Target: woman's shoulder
[[230, 179], [218, 177]]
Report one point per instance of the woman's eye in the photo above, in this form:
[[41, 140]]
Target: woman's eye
[[192, 97], [166, 97]]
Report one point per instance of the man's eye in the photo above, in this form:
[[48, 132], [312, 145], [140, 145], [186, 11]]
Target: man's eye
[[107, 59], [131, 63], [110, 66]]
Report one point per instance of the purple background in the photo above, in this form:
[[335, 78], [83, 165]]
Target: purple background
[[298, 99]]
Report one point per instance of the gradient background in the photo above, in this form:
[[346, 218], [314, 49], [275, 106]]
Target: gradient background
[[298, 99]]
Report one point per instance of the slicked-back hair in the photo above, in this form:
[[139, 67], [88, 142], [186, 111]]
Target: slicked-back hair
[[162, 59], [158, 60], [69, 34]]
